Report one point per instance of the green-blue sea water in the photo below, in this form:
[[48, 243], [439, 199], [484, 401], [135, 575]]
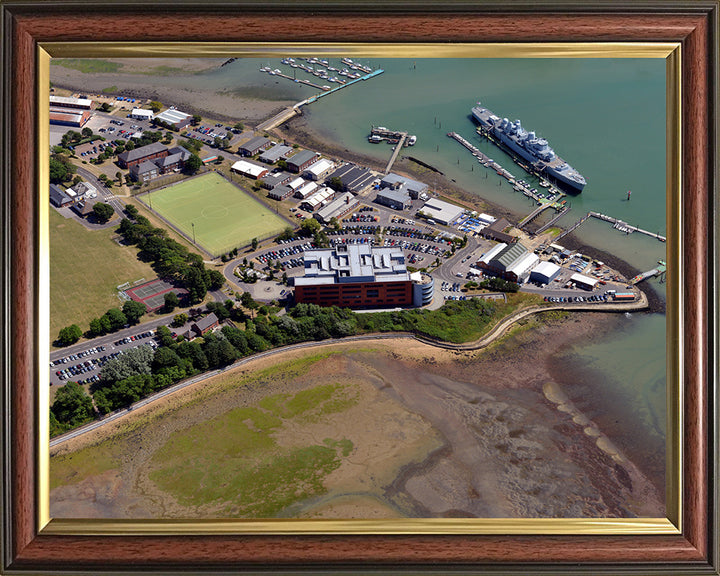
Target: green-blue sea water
[[605, 117]]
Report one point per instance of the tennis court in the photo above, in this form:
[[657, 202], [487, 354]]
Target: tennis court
[[152, 293], [215, 212]]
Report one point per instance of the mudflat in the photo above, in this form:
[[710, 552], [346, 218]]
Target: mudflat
[[392, 429]]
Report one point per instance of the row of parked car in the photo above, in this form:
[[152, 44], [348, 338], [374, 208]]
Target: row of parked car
[[284, 252], [72, 357], [134, 337], [594, 298]]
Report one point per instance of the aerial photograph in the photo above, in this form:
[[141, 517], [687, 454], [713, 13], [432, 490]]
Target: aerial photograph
[[334, 287]]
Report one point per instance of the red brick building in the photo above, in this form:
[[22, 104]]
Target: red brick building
[[355, 276], [136, 156]]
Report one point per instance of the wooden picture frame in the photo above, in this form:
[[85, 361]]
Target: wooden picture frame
[[27, 26]]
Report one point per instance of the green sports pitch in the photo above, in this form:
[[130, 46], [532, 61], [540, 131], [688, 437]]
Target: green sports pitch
[[223, 216]]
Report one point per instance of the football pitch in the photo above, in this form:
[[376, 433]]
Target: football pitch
[[223, 216]]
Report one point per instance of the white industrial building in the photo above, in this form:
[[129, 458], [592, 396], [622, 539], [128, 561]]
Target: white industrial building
[[140, 114], [69, 102], [545, 272], [584, 282], [442, 212], [319, 169], [249, 169], [306, 190], [337, 208], [521, 268], [317, 199], [175, 117]]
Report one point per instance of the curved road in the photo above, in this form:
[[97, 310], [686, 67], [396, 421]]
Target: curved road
[[495, 333]]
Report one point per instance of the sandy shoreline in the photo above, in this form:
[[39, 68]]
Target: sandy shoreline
[[438, 433]]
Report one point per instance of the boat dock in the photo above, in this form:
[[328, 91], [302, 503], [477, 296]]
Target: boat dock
[[657, 271], [554, 219], [624, 226], [396, 151], [573, 227], [518, 185]]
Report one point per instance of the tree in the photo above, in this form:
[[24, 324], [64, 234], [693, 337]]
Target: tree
[[133, 311], [254, 243], [336, 184], [155, 106], [282, 164], [192, 164], [130, 145], [87, 132], [171, 301], [132, 211], [310, 226], [69, 335], [72, 406], [98, 327], [238, 126], [77, 180], [60, 169], [103, 212], [195, 284], [133, 361], [105, 107], [119, 176], [214, 280], [196, 119], [164, 335], [179, 320], [116, 317]]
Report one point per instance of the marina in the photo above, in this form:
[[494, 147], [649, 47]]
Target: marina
[[617, 224]]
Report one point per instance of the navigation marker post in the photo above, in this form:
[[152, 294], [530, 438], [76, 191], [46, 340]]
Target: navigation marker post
[[628, 196]]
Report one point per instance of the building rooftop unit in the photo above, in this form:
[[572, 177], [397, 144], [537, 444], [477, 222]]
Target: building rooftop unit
[[414, 187], [353, 263]]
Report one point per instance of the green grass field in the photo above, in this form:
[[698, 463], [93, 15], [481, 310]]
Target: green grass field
[[85, 268], [87, 65], [224, 216]]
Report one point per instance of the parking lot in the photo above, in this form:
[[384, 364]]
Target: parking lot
[[84, 366]]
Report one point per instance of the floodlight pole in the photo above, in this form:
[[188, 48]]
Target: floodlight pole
[[193, 228]]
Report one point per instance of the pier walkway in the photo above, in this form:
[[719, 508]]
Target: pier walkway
[[279, 118], [553, 220], [624, 226], [657, 271], [395, 153], [573, 227]]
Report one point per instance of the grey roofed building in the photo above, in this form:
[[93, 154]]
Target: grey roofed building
[[353, 178], [180, 150], [149, 152], [337, 208], [58, 197], [495, 231], [280, 192], [396, 199], [269, 181], [413, 187], [254, 145], [508, 256], [144, 171], [275, 153], [169, 162], [301, 160]]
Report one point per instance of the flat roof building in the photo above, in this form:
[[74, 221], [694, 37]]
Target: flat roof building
[[397, 199], [249, 169], [355, 276], [396, 181], [441, 211], [140, 114]]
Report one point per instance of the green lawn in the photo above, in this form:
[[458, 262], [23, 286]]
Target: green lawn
[[224, 216], [85, 268]]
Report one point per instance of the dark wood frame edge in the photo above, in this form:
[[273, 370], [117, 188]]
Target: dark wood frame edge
[[695, 551]]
